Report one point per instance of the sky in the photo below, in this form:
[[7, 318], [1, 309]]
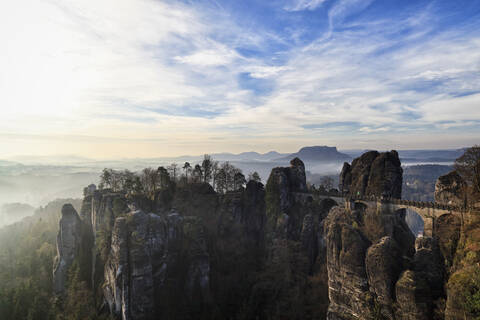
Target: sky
[[149, 78]]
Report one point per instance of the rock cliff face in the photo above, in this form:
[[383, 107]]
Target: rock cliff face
[[68, 246], [420, 289], [149, 265], [287, 199], [450, 189], [347, 275], [145, 255], [373, 173], [375, 270]]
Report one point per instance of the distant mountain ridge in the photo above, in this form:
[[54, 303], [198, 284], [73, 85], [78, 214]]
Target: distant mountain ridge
[[318, 154], [251, 155]]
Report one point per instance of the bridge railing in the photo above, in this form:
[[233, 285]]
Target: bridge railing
[[402, 202]]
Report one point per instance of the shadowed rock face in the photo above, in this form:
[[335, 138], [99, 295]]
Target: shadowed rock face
[[68, 246], [373, 173], [288, 199], [449, 189], [147, 251], [158, 265], [345, 178], [363, 269], [384, 264], [420, 290], [447, 229], [347, 275]]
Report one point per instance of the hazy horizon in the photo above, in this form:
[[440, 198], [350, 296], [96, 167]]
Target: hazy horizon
[[72, 158]]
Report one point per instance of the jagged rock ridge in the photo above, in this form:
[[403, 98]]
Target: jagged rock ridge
[[373, 174]]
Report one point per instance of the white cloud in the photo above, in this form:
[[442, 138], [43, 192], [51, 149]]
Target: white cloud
[[445, 108], [299, 5], [221, 56], [263, 72], [370, 130], [145, 71]]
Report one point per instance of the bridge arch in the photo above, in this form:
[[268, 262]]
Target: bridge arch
[[414, 221]]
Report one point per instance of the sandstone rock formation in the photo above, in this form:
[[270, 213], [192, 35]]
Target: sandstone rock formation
[[347, 276], [420, 290], [68, 246], [373, 173], [145, 255], [450, 189], [447, 229], [187, 252], [147, 265], [287, 198], [384, 264], [366, 254]]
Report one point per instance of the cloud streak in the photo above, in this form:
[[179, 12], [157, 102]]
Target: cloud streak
[[172, 74]]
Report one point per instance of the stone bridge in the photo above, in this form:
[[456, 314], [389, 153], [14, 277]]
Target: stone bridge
[[429, 211]]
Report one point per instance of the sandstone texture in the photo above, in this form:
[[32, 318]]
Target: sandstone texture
[[373, 174], [450, 189], [68, 246], [145, 255]]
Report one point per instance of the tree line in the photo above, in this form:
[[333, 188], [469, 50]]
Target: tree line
[[223, 177]]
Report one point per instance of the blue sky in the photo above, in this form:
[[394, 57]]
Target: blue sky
[[141, 78]]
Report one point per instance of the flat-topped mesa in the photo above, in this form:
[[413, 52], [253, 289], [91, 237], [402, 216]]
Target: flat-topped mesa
[[450, 189], [68, 246], [373, 174]]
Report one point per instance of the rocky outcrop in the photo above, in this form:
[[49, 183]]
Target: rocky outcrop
[[149, 265], [450, 189], [384, 264], [149, 254], [68, 246], [347, 276], [287, 199], [106, 205], [420, 290], [308, 238], [366, 254], [117, 280], [428, 264], [447, 231], [411, 293], [323, 210], [373, 174], [345, 179]]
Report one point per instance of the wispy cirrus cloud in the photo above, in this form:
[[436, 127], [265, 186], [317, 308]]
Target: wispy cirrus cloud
[[299, 5], [259, 76]]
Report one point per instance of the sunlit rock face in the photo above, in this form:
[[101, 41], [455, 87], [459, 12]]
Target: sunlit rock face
[[450, 189], [373, 174], [68, 245]]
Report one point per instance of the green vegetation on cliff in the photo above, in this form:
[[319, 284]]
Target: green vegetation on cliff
[[27, 249]]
